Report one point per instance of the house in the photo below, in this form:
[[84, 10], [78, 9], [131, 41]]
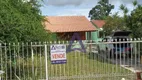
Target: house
[[98, 34], [64, 26]]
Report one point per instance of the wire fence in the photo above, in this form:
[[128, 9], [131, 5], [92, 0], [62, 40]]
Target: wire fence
[[101, 61]]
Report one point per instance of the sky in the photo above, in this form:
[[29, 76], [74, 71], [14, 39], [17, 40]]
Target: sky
[[79, 7]]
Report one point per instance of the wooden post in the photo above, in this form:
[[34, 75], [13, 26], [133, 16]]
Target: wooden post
[[138, 75]]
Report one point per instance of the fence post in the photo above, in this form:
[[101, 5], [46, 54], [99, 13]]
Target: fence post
[[1, 72], [141, 59], [46, 61], [32, 60]]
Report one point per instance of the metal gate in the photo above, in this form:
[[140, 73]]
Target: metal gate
[[100, 62], [31, 61], [23, 61]]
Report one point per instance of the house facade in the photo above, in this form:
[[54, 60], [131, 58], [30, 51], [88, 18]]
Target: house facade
[[98, 34], [63, 27]]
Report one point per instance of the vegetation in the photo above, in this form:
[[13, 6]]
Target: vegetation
[[132, 21], [113, 23], [20, 21], [101, 10]]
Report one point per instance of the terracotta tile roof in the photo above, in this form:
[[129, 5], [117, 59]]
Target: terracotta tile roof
[[98, 23], [68, 24]]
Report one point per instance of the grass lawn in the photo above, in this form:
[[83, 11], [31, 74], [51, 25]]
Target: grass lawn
[[85, 65], [79, 66]]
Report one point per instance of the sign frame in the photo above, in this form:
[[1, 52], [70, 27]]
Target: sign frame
[[58, 54]]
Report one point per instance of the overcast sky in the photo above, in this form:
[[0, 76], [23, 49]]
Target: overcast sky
[[78, 7]]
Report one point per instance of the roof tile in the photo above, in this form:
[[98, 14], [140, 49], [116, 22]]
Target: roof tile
[[99, 23], [68, 24]]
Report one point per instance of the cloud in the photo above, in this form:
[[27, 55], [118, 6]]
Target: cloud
[[69, 2], [80, 7], [79, 2], [121, 1], [74, 12], [125, 2]]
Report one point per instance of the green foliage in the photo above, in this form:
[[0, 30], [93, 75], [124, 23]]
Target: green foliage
[[21, 21], [135, 2], [101, 11], [131, 22], [134, 21], [124, 9], [114, 23]]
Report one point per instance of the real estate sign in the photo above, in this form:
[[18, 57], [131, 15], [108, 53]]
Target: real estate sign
[[58, 53]]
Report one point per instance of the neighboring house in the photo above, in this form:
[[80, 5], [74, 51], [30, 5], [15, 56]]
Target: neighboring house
[[65, 26], [98, 34]]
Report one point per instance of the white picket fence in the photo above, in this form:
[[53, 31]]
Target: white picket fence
[[31, 61]]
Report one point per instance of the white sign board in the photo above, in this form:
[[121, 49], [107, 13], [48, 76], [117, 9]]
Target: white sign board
[[58, 53]]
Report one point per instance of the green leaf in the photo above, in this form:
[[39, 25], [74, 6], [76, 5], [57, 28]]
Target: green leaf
[[101, 10]]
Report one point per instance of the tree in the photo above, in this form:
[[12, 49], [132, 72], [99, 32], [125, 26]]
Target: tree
[[21, 21], [101, 11], [113, 23], [126, 22], [135, 3], [134, 22]]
